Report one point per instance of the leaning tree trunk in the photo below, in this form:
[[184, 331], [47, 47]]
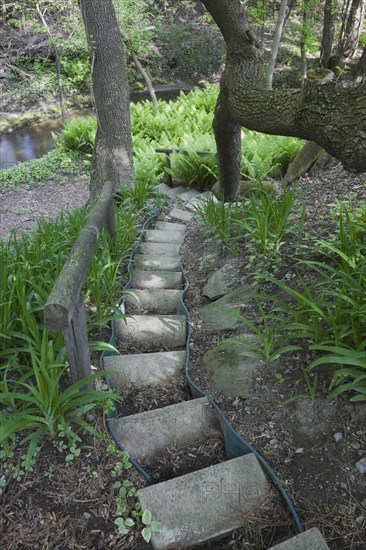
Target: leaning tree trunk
[[112, 154], [322, 111], [276, 44]]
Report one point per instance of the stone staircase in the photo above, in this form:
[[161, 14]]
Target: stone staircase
[[212, 501]]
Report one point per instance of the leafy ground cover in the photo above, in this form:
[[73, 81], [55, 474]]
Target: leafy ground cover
[[301, 249], [303, 257]]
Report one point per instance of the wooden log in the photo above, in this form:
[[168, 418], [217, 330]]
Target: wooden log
[[76, 342], [61, 303]]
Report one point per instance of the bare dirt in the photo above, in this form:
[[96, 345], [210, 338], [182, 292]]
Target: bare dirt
[[59, 507], [22, 206]]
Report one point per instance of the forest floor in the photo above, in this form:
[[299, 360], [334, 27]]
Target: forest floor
[[313, 445]]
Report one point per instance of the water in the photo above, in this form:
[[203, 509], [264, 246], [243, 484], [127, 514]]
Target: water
[[32, 142], [35, 140]]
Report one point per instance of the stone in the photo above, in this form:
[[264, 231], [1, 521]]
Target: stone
[[163, 236], [144, 370], [361, 465], [205, 504], [153, 301], [159, 249], [151, 261], [231, 370], [170, 226], [155, 331], [233, 301], [222, 281], [309, 540], [156, 279], [338, 437], [180, 214], [188, 195], [148, 434]]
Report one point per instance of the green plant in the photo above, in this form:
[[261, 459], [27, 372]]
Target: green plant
[[220, 220], [150, 525], [42, 408], [267, 219], [271, 337], [352, 374], [77, 73], [78, 135]]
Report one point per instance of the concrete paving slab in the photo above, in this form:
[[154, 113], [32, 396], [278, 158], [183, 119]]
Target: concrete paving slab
[[179, 189], [162, 236], [151, 261], [170, 226], [156, 279], [154, 301], [163, 189], [159, 249], [309, 540], [205, 504], [155, 331], [146, 435], [188, 195], [145, 370], [180, 214]]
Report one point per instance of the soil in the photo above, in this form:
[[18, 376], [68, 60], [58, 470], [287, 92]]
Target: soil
[[54, 506]]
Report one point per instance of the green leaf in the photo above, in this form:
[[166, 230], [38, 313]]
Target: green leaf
[[146, 517]]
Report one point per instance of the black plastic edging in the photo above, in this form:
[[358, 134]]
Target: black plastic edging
[[235, 444]]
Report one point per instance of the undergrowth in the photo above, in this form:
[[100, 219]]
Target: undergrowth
[[33, 364], [321, 309]]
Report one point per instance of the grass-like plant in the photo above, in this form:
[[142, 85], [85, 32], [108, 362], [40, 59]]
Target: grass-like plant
[[271, 335], [32, 363], [267, 219], [42, 408], [219, 219]]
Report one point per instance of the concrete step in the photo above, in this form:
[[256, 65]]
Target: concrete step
[[156, 279], [309, 540], [159, 249], [170, 226], [164, 189], [188, 195], [155, 331], [146, 435], [180, 214], [205, 504], [151, 261], [146, 369], [154, 301], [163, 236]]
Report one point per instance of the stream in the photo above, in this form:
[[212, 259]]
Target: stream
[[34, 141]]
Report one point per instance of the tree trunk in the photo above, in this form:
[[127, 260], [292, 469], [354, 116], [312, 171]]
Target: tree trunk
[[360, 69], [112, 156], [328, 35], [276, 43], [349, 41], [322, 111]]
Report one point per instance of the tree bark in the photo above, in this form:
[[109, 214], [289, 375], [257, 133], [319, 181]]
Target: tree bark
[[360, 69], [112, 156], [322, 111], [349, 42], [276, 43], [328, 35]]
